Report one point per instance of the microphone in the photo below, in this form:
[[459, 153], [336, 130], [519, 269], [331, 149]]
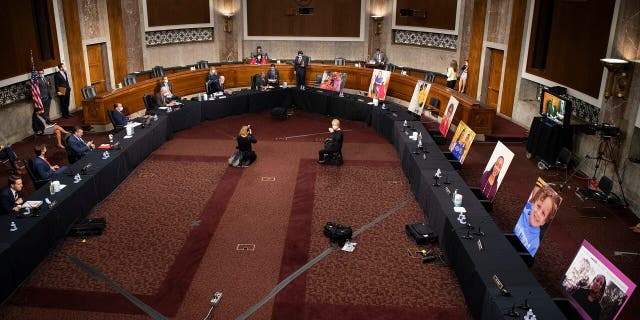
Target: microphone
[[84, 169], [513, 313], [468, 236], [525, 304], [479, 233]]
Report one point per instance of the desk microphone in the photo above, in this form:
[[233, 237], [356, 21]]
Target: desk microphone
[[468, 236], [84, 169], [525, 304], [479, 233], [513, 313]]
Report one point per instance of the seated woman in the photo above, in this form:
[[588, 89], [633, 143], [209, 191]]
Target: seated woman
[[40, 126], [245, 139], [333, 144], [259, 59]]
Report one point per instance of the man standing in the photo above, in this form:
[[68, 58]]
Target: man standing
[[300, 63], [7, 153], [43, 169], [11, 197], [45, 93], [63, 90]]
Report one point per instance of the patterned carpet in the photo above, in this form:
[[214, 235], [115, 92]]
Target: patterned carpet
[[177, 226]]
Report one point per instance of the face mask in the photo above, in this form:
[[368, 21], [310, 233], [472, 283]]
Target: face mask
[[335, 127], [120, 109], [166, 81]]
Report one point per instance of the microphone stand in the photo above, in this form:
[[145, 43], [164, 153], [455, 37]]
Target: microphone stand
[[468, 236], [525, 304], [479, 233], [512, 313]]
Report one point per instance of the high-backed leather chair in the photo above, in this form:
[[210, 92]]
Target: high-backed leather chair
[[202, 64], [130, 79], [158, 72], [88, 92]]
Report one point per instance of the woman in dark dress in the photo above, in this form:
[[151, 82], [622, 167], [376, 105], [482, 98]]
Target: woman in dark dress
[[333, 144], [245, 139]]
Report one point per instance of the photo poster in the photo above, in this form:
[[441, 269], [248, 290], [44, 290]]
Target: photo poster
[[419, 97], [595, 287], [447, 116], [461, 142], [495, 170], [540, 209], [379, 84], [333, 81]]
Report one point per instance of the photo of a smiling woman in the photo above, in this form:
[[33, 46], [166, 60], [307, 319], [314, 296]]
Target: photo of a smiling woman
[[540, 209]]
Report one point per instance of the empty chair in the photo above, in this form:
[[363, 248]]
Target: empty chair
[[88, 92], [390, 67], [430, 77], [158, 72], [202, 64], [149, 102], [130, 79], [603, 193], [318, 79], [340, 61]]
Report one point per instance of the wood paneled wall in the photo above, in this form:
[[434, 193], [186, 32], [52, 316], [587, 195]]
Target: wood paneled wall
[[439, 14], [475, 47], [510, 77], [576, 41], [27, 25], [75, 64], [330, 18], [172, 12], [118, 46]]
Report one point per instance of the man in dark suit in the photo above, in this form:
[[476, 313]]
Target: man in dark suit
[[300, 63], [7, 153], [380, 58], [11, 196], [77, 147], [118, 117], [42, 167], [163, 98], [261, 81], [45, 93], [273, 76], [62, 81]]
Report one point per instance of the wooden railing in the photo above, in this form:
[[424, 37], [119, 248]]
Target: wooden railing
[[186, 82]]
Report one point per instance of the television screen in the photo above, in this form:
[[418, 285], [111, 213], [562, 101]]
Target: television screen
[[333, 80], [555, 108], [594, 286], [419, 97]]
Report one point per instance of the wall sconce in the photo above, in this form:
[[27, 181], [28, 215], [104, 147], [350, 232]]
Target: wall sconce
[[617, 77], [228, 23], [378, 20]]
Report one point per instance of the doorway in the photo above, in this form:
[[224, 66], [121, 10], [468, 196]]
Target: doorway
[[97, 67], [495, 76]]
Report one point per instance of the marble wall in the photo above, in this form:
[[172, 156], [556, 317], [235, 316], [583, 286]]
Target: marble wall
[[131, 22], [498, 21]]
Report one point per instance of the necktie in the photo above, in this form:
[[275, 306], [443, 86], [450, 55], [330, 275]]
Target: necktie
[[47, 161], [15, 195], [81, 140], [64, 75]]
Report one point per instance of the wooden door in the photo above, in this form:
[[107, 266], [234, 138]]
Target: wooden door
[[96, 67], [495, 74]]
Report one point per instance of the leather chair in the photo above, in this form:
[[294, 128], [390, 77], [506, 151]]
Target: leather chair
[[88, 92], [71, 155], [130, 79], [32, 174], [340, 61], [318, 79], [430, 77], [202, 64], [149, 102], [334, 158], [158, 72], [390, 67], [116, 128], [254, 80]]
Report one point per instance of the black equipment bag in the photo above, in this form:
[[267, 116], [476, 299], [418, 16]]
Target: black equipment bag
[[88, 227], [421, 233], [337, 233], [279, 113]]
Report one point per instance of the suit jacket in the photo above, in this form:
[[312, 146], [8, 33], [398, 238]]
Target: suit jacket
[[261, 82], [45, 92], [76, 147], [119, 118], [305, 62], [61, 81], [7, 201], [273, 74], [42, 170], [161, 101]]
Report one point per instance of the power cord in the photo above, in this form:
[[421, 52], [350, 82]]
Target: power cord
[[214, 302]]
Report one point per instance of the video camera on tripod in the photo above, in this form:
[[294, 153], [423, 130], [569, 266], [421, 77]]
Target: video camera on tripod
[[605, 130]]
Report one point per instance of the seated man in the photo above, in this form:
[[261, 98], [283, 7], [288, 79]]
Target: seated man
[[218, 86], [165, 83], [261, 81], [42, 168], [11, 196], [273, 76], [163, 98], [118, 117], [333, 144], [212, 79], [77, 147], [260, 52], [7, 153]]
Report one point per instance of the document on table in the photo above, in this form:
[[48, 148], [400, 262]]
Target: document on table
[[349, 246]]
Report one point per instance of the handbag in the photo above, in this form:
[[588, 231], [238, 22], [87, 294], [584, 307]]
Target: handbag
[[235, 158], [337, 233]]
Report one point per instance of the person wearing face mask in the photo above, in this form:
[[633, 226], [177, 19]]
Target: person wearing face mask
[[45, 94], [537, 213], [118, 117], [260, 52], [273, 76], [163, 98], [165, 83], [63, 89], [300, 63], [259, 59], [44, 170], [333, 144]]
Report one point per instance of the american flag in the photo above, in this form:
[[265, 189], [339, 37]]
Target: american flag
[[35, 89]]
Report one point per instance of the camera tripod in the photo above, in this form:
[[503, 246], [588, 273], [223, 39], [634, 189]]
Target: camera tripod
[[606, 153]]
